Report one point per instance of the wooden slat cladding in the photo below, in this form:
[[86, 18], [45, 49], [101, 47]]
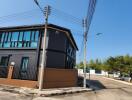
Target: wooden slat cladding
[[19, 83], [57, 78]]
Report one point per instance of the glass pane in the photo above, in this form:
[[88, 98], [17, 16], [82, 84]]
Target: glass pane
[[9, 36], [24, 64], [19, 43], [33, 36], [0, 45], [6, 37], [33, 44], [4, 61], [2, 38], [26, 36], [15, 36], [20, 36], [36, 35], [7, 44]]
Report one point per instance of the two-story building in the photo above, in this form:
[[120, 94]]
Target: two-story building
[[22, 47]]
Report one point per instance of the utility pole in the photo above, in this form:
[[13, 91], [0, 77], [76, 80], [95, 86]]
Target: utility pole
[[85, 42], [46, 13]]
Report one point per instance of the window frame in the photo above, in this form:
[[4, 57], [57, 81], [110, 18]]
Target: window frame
[[5, 65]]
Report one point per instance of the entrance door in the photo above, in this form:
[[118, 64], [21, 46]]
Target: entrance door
[[24, 68]]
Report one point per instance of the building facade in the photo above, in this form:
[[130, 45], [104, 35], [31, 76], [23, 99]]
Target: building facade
[[22, 47]]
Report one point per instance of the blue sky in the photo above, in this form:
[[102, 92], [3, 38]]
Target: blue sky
[[112, 18]]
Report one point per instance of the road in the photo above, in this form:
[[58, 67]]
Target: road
[[105, 89]]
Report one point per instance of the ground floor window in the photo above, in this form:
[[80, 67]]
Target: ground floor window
[[24, 67], [4, 61]]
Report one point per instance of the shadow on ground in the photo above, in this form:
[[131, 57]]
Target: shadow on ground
[[94, 84]]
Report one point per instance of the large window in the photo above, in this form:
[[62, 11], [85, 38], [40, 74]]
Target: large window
[[4, 61], [2, 35], [24, 67], [19, 39], [34, 38]]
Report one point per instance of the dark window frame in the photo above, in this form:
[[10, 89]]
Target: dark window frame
[[6, 63]]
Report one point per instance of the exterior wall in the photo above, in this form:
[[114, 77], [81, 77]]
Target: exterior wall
[[16, 57], [93, 72], [58, 50], [19, 83], [80, 71], [54, 78]]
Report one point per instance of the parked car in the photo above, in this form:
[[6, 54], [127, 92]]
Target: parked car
[[126, 78]]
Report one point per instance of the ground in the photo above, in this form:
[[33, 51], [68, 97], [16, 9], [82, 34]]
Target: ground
[[104, 89]]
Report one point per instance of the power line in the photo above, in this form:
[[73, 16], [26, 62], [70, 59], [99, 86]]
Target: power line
[[90, 12], [66, 18], [67, 15]]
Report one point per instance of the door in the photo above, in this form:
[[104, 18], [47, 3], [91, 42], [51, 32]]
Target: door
[[24, 68]]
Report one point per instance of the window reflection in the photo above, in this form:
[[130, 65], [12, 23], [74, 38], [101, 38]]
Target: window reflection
[[19, 39], [14, 36]]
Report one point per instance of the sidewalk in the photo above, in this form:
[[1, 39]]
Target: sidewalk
[[44, 92], [118, 81]]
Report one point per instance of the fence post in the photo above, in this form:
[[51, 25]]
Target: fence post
[[10, 71]]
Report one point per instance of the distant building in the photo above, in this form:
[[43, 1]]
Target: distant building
[[94, 72], [22, 46]]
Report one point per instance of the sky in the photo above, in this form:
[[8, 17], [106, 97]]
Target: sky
[[112, 18]]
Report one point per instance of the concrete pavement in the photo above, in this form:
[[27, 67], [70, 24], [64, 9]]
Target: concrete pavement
[[105, 89]]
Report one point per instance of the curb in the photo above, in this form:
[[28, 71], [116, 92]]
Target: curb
[[44, 92], [118, 81], [61, 92]]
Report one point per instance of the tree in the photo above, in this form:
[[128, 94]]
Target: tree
[[80, 65]]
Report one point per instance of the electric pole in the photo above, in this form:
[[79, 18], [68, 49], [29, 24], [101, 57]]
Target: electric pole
[[46, 13], [86, 26], [85, 42]]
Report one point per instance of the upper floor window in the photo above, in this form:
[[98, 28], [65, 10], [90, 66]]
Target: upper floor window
[[19, 39], [15, 36]]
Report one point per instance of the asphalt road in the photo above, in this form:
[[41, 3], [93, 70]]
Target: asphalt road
[[104, 89]]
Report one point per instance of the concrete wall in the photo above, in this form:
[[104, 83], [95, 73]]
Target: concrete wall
[[92, 71]]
